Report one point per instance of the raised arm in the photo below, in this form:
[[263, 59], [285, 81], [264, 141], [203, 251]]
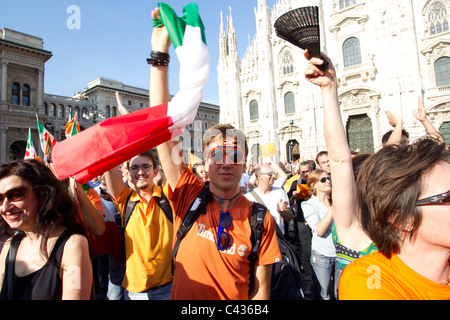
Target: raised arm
[[421, 115], [397, 123], [92, 213], [343, 186], [168, 152]]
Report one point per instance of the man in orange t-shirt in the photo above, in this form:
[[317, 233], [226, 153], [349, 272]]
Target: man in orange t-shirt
[[212, 260], [376, 277], [201, 270]]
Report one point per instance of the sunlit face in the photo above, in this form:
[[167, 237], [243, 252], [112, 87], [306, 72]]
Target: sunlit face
[[324, 183], [324, 162], [304, 172], [435, 225], [141, 173], [266, 175], [225, 175], [19, 214], [201, 172]]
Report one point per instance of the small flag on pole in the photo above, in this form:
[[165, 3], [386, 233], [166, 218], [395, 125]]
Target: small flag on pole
[[46, 139], [30, 152], [72, 127]]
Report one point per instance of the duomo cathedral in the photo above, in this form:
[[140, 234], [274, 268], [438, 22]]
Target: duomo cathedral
[[386, 54]]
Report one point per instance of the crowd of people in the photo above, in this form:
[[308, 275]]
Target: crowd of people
[[369, 226]]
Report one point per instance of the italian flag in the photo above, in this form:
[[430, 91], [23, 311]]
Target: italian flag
[[46, 139], [113, 141], [72, 127], [30, 151]]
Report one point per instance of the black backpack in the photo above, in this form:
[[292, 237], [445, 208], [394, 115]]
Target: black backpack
[[163, 204], [286, 282], [286, 274]]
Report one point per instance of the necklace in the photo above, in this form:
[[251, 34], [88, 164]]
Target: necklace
[[221, 200], [446, 283]]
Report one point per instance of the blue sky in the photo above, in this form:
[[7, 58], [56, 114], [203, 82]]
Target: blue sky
[[114, 38]]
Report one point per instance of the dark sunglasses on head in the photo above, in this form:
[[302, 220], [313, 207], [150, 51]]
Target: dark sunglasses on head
[[223, 238], [219, 155], [443, 198], [324, 179], [15, 194]]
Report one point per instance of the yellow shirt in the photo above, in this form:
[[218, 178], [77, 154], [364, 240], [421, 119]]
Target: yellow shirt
[[148, 243]]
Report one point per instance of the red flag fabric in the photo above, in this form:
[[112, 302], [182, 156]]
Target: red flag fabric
[[110, 143]]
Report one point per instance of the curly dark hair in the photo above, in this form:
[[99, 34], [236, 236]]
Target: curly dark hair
[[388, 186], [57, 209]]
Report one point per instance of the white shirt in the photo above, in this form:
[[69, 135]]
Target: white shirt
[[271, 200]]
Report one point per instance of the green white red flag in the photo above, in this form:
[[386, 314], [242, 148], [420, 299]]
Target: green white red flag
[[30, 151], [46, 139], [72, 127], [113, 141]]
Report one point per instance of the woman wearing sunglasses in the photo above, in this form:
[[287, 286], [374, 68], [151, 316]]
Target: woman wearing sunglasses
[[318, 215], [401, 199], [52, 259]]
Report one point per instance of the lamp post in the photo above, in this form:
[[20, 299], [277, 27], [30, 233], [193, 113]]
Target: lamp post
[[94, 116]]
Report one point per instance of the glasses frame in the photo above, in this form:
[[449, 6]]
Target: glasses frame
[[139, 167], [5, 195], [225, 222], [226, 155], [439, 199]]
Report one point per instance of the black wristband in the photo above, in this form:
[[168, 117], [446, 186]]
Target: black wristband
[[159, 59]]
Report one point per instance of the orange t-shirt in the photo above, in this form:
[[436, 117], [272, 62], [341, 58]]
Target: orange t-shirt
[[201, 271], [375, 277]]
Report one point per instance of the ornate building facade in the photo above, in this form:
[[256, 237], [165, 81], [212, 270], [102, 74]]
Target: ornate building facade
[[386, 54], [22, 97]]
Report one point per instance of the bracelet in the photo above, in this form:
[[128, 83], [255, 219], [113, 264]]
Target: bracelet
[[159, 59]]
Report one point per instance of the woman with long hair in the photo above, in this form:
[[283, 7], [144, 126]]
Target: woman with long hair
[[52, 259], [319, 216]]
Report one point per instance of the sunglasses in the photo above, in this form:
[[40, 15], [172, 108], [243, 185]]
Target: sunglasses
[[267, 173], [144, 167], [223, 238], [324, 179], [443, 198], [14, 195], [218, 155]]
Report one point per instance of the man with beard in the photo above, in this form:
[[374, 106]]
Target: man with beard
[[148, 233]]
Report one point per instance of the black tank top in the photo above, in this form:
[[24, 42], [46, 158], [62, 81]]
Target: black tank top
[[43, 284]]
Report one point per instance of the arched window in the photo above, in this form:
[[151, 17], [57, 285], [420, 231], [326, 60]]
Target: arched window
[[45, 109], [53, 110], [254, 114], [289, 103], [287, 62], [346, 3], [114, 111], [61, 113], [26, 95], [15, 90], [108, 112], [351, 51], [438, 18], [442, 71]]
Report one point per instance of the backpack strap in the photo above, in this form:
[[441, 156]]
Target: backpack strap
[[257, 225], [15, 242], [197, 207], [165, 206], [128, 211], [162, 201]]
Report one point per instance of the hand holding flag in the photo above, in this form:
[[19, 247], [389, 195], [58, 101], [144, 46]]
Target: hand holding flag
[[113, 141]]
